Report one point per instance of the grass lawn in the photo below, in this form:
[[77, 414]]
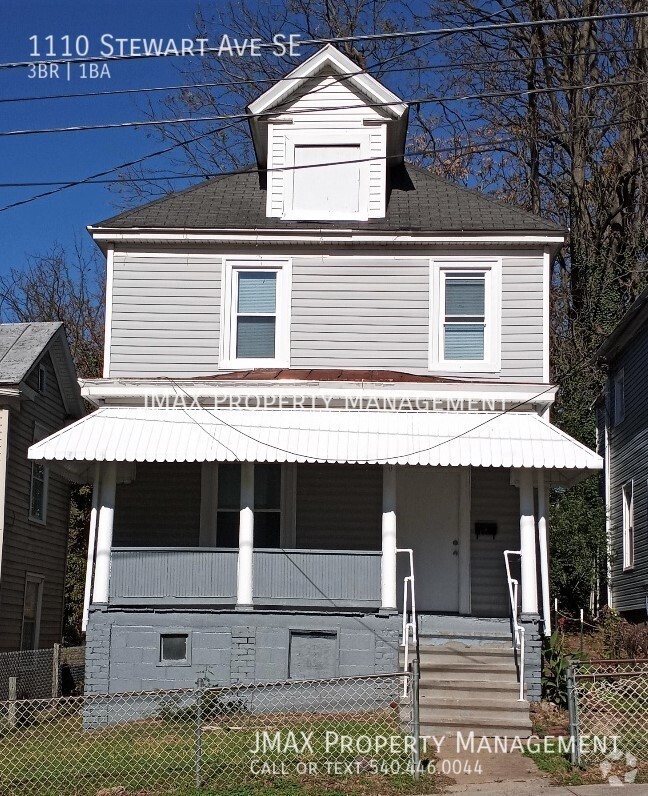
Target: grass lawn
[[58, 757]]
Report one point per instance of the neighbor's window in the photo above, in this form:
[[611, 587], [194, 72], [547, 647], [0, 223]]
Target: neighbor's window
[[32, 601], [42, 378], [466, 330], [628, 525], [256, 308], [619, 398], [174, 648], [267, 505], [39, 483]]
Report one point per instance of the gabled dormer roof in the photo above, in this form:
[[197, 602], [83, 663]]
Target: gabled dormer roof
[[22, 346], [327, 61]]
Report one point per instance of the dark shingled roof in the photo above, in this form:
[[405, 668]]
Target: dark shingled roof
[[418, 202]]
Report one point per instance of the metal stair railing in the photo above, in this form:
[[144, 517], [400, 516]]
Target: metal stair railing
[[517, 629], [409, 630]]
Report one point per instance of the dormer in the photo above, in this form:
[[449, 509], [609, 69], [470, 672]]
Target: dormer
[[328, 133]]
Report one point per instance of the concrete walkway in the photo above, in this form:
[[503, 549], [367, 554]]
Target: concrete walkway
[[545, 788]]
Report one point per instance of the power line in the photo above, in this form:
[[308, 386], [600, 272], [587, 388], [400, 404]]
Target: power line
[[343, 75], [375, 105], [345, 39], [471, 150]]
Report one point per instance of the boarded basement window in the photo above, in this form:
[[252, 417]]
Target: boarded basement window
[[313, 654]]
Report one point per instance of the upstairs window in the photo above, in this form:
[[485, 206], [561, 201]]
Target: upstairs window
[[619, 398], [465, 322], [256, 314], [628, 525], [39, 483]]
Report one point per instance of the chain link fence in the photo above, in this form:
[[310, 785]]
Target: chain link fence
[[608, 709], [39, 674], [164, 740]]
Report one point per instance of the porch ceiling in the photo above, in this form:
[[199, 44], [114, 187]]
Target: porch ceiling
[[443, 439]]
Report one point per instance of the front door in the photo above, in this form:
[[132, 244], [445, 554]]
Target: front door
[[429, 519]]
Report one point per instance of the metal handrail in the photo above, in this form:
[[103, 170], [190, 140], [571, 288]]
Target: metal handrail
[[518, 630], [409, 631]]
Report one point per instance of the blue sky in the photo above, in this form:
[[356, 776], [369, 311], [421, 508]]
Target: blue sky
[[32, 228]]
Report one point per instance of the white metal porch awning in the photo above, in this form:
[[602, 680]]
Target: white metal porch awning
[[441, 439]]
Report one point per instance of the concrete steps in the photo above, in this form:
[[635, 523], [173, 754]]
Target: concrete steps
[[471, 687]]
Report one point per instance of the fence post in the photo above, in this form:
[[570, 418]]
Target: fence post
[[572, 707], [11, 710], [56, 670], [416, 719], [199, 735]]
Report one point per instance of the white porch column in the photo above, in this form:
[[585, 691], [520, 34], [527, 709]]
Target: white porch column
[[388, 561], [244, 583], [528, 544], [544, 553], [105, 532], [92, 539]]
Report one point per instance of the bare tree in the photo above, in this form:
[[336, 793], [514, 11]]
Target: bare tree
[[61, 286]]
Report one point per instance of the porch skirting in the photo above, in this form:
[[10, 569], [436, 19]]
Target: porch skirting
[[123, 647]]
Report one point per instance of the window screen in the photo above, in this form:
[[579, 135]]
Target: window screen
[[256, 316], [464, 316]]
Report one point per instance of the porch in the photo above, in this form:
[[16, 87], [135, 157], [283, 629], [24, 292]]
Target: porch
[[310, 537]]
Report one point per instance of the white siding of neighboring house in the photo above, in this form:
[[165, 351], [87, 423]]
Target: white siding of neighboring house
[[347, 312]]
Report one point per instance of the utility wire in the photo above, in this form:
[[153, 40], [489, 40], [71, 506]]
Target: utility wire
[[469, 151], [341, 75], [410, 34], [385, 459], [375, 105]]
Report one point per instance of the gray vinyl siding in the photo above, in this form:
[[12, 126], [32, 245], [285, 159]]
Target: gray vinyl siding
[[348, 312], [522, 314], [31, 546], [165, 315], [361, 313], [339, 506], [493, 500], [160, 508], [629, 461]]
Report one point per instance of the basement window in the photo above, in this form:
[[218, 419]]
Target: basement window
[[174, 648]]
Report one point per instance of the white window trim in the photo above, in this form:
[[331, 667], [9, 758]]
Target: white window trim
[[32, 577], [492, 267], [317, 138], [40, 432], [619, 380], [628, 523], [227, 348]]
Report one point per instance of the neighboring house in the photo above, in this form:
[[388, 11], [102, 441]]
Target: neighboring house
[[307, 368], [39, 394], [622, 420]]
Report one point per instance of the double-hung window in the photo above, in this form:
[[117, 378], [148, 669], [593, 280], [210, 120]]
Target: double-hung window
[[39, 483], [256, 313], [32, 601], [627, 495], [465, 322]]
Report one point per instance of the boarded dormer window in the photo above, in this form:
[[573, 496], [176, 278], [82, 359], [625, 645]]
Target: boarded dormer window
[[328, 176], [326, 179]]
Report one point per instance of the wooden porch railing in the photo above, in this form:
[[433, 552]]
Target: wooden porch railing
[[184, 576]]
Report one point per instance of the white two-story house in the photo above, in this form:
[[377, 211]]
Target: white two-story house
[[310, 366]]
